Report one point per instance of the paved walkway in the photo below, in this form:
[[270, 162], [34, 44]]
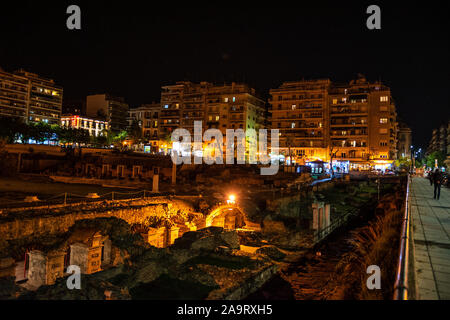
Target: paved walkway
[[431, 235]]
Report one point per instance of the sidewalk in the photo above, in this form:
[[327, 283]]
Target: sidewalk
[[431, 240]]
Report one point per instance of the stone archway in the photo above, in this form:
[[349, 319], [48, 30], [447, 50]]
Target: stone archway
[[226, 216]]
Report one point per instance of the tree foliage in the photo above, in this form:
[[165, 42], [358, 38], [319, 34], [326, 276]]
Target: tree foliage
[[431, 158], [403, 163], [14, 129]]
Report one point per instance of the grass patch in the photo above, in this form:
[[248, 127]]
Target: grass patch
[[374, 244]]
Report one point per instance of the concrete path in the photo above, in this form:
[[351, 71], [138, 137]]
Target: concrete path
[[431, 240]]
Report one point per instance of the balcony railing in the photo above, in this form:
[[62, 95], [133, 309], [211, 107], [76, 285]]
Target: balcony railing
[[348, 111]]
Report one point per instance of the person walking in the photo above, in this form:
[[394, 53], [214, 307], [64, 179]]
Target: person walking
[[437, 180], [430, 177]]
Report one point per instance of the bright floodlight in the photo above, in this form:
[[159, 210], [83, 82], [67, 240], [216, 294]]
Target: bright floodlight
[[231, 198]]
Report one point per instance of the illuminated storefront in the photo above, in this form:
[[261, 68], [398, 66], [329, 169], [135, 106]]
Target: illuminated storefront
[[341, 166], [382, 165]]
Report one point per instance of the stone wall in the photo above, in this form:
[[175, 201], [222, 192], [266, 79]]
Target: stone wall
[[59, 220]]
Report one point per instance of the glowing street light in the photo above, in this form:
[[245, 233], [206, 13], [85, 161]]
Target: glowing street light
[[231, 199]]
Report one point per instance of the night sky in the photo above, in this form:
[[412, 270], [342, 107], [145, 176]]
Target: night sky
[[131, 48]]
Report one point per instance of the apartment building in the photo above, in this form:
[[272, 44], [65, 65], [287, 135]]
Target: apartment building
[[440, 141], [112, 109], [363, 124], [299, 109], [30, 97], [354, 124], [95, 127], [147, 117], [404, 141], [232, 106], [74, 107]]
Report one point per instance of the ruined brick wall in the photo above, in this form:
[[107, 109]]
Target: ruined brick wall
[[61, 219]]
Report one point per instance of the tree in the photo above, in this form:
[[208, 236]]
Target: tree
[[289, 142], [419, 162], [332, 155], [119, 138], [403, 163], [40, 132], [10, 129], [135, 131], [431, 159]]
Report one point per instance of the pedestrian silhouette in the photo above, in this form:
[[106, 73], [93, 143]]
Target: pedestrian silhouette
[[437, 180]]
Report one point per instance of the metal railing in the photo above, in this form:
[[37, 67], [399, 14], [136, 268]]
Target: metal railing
[[67, 198], [401, 278], [321, 234]]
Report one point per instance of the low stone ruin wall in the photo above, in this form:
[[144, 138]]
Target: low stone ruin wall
[[59, 220]]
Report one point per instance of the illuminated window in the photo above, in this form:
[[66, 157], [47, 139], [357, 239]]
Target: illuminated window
[[293, 125], [210, 118], [383, 120], [334, 101], [217, 118], [166, 106], [294, 106], [234, 99], [384, 98], [225, 99]]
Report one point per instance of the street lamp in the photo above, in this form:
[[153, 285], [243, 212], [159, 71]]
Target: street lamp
[[231, 199]]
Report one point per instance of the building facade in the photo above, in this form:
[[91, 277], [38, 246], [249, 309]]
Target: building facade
[[404, 141], [299, 109], [94, 126], [440, 142], [30, 97], [363, 121], [233, 106], [112, 109], [352, 124], [147, 117]]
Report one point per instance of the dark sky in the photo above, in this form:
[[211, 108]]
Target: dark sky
[[131, 48]]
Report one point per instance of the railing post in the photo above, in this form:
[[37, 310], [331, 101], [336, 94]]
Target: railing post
[[65, 198], [112, 196]]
